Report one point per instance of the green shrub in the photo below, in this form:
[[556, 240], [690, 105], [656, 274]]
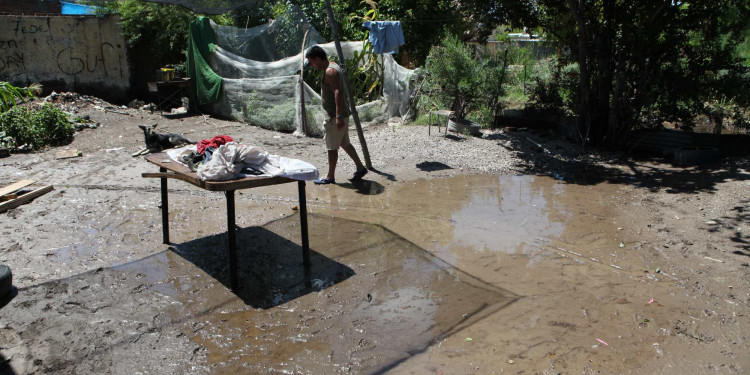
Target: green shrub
[[52, 125], [16, 123], [36, 129], [455, 76], [555, 87]]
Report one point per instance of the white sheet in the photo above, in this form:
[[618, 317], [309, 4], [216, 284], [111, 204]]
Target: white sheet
[[228, 161]]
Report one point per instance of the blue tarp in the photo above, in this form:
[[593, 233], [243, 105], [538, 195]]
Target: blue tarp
[[77, 9]]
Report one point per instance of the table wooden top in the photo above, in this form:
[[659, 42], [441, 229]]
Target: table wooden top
[[442, 112], [181, 172]]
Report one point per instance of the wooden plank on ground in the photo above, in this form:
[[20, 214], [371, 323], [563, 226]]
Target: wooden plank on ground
[[66, 154], [5, 206], [8, 197], [15, 186]]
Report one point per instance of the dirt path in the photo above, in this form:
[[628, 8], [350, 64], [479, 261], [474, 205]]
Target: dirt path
[[561, 264]]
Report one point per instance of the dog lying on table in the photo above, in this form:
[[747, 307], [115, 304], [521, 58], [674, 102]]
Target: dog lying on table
[[156, 142]]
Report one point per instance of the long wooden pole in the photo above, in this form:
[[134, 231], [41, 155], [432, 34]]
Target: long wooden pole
[[302, 85], [349, 94]]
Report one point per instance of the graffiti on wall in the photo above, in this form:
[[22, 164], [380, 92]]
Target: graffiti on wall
[[49, 47], [10, 57], [73, 62]]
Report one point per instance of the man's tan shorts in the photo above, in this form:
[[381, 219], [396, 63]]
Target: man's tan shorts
[[336, 137]]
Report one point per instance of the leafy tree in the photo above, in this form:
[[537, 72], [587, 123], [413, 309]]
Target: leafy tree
[[253, 13], [157, 31], [643, 62], [424, 22]]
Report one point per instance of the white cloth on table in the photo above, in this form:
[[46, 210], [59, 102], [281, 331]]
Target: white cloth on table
[[177, 153], [229, 160]]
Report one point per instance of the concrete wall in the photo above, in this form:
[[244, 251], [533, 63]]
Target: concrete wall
[[85, 54]]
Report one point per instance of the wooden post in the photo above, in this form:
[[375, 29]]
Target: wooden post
[[349, 94], [302, 85]]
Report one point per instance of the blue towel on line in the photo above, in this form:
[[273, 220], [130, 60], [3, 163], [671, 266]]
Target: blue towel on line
[[385, 36]]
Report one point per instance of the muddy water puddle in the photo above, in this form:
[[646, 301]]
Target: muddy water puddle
[[433, 274], [376, 298], [474, 274], [495, 272], [581, 272]]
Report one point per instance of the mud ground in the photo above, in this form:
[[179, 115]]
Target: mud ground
[[461, 256]]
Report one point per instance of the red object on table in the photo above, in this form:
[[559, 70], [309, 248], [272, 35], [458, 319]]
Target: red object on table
[[213, 142]]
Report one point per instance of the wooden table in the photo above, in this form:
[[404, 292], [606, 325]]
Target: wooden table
[[169, 168], [168, 93]]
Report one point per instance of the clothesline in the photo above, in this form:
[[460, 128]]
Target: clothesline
[[434, 20]]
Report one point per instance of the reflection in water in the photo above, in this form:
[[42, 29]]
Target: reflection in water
[[504, 216], [492, 215], [365, 187]]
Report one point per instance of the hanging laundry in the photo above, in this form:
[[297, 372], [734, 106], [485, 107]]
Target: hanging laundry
[[385, 36]]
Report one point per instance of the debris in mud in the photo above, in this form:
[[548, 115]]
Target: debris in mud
[[135, 104], [680, 327], [714, 259]]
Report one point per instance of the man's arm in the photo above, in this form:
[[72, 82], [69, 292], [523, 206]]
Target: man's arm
[[334, 82]]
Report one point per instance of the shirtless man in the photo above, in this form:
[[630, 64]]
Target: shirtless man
[[337, 125]]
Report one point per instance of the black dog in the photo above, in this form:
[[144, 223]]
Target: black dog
[[156, 142]]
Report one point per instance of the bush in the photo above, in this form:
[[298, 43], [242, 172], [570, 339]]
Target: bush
[[555, 87], [456, 77], [36, 129], [52, 125], [16, 123]]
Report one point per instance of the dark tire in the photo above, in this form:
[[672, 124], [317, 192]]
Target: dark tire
[[462, 126], [6, 280]]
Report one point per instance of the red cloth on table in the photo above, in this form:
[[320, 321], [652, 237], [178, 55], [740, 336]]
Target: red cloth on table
[[213, 142]]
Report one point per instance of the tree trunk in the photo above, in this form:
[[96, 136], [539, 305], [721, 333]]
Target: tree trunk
[[615, 127], [585, 78]]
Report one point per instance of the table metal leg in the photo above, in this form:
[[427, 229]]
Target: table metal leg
[[429, 123], [231, 233], [305, 240], [164, 208]]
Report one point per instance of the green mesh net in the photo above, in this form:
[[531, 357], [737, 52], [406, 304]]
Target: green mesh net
[[253, 75]]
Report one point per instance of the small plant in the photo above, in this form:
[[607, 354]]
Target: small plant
[[6, 142], [16, 124], [53, 125], [36, 129]]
